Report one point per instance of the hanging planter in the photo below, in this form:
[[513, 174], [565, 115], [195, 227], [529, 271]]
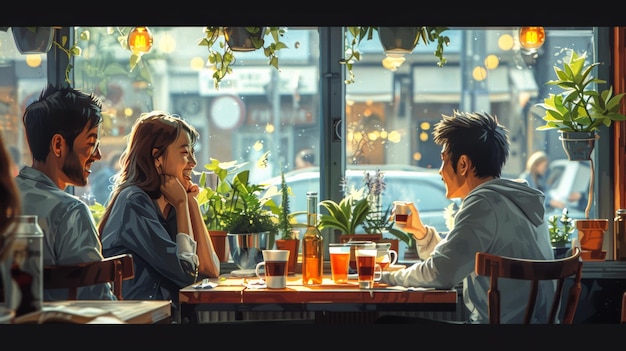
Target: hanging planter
[[243, 39], [33, 40], [398, 40], [578, 145]]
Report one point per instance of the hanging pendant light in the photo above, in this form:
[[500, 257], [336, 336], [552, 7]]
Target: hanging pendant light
[[140, 40], [532, 37]]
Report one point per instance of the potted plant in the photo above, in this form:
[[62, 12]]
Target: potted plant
[[240, 208], [222, 60], [578, 112], [216, 202], [346, 216], [560, 229], [288, 236]]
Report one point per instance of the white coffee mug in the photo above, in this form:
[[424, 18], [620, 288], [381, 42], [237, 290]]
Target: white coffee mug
[[275, 268]]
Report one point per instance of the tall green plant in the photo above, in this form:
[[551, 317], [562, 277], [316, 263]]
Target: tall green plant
[[579, 108]]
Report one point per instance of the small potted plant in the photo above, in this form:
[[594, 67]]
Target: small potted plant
[[288, 235], [236, 208], [560, 229]]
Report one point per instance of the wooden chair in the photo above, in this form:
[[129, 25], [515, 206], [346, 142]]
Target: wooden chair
[[533, 270], [112, 269]]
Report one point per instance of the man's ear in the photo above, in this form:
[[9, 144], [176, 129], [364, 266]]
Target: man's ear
[[56, 145], [463, 165]]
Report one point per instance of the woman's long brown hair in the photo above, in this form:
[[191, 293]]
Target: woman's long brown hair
[[153, 130], [10, 202]]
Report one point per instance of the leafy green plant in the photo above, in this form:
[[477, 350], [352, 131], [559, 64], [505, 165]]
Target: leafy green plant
[[217, 203], [287, 220], [222, 60], [579, 108], [346, 215], [235, 205], [560, 228], [426, 35]]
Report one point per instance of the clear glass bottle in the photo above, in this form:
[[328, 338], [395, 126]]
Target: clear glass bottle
[[312, 246]]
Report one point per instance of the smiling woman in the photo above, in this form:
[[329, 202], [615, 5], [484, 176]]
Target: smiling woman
[[154, 213]]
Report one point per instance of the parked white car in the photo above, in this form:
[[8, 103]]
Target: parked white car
[[424, 187]]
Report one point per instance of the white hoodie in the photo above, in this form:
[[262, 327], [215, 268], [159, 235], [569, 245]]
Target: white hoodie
[[501, 217]]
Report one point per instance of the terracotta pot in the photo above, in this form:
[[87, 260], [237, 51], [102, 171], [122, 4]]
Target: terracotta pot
[[218, 237], [293, 245], [591, 233]]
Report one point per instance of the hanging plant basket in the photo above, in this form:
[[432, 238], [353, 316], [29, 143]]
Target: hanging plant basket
[[578, 145], [242, 39], [33, 40], [398, 40]]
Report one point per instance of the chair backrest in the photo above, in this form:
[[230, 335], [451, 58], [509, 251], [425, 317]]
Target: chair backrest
[[534, 271], [111, 269]]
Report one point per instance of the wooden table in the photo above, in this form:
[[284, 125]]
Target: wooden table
[[330, 302], [103, 312]]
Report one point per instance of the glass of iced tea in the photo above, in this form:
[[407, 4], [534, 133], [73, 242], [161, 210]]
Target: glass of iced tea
[[368, 270], [339, 262]]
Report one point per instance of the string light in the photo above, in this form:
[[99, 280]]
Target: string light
[[532, 37], [140, 40]]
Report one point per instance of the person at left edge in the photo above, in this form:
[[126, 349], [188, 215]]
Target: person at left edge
[[63, 132]]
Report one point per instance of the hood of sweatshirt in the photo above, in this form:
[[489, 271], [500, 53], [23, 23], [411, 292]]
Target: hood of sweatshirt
[[529, 200]]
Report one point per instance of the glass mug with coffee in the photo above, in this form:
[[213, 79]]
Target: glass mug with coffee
[[385, 256], [339, 262], [401, 212], [368, 270], [273, 269]]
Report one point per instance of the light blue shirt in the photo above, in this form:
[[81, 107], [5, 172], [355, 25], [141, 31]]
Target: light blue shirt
[[69, 232]]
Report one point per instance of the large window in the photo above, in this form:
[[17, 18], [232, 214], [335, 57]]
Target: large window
[[387, 114]]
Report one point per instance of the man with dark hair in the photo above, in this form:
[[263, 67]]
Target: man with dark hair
[[63, 132], [499, 216]]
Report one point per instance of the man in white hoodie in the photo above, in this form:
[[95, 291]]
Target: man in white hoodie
[[498, 216]]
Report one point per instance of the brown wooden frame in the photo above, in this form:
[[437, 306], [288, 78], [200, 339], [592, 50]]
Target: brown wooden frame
[[532, 270], [111, 269]]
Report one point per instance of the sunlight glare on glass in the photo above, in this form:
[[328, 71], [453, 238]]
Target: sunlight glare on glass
[[394, 136], [505, 42], [197, 63], [479, 73], [492, 62], [33, 60], [167, 43], [258, 146]]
